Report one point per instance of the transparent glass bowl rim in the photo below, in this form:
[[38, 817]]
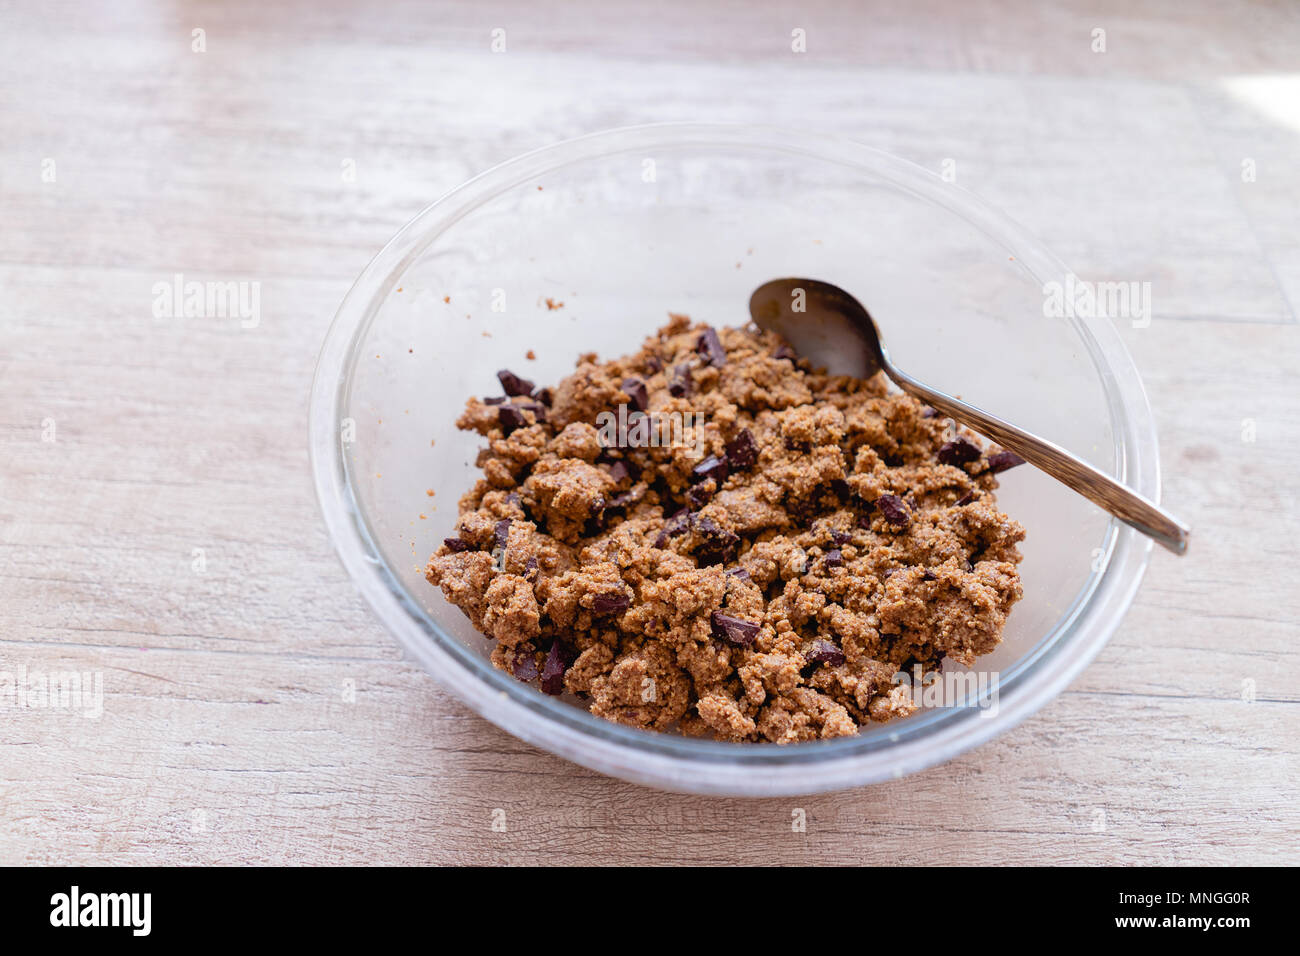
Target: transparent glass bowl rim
[[689, 764]]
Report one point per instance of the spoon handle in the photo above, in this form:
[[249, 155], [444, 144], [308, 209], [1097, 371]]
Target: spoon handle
[[1095, 485]]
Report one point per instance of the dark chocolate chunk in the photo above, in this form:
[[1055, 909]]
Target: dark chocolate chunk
[[1003, 460], [615, 602], [701, 494], [784, 351], [928, 575], [503, 532], [537, 408], [742, 451], [967, 498], [544, 395], [511, 417], [840, 537], [654, 363], [711, 467], [802, 447], [530, 568], [513, 384], [928, 412], [677, 524], [824, 652], [733, 630], [710, 346], [739, 573], [680, 385], [958, 452], [717, 545], [885, 576], [636, 393], [525, 666], [834, 558], [596, 517], [457, 544], [495, 400], [553, 670], [893, 510]]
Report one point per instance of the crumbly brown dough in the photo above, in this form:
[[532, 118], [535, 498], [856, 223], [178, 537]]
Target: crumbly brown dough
[[831, 534]]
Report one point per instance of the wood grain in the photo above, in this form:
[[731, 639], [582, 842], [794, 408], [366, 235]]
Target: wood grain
[[255, 713]]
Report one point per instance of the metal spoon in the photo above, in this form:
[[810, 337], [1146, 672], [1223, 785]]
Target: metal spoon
[[822, 321]]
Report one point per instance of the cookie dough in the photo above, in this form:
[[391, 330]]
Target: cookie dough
[[762, 576]]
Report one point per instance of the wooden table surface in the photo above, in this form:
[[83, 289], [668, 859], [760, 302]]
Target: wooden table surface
[[157, 523]]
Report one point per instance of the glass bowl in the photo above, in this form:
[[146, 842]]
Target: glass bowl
[[616, 230]]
